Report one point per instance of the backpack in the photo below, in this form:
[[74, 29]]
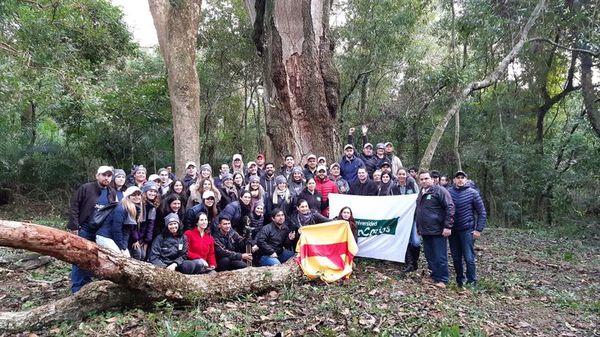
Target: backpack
[[100, 215]]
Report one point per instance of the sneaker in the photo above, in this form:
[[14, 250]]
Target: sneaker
[[440, 285]]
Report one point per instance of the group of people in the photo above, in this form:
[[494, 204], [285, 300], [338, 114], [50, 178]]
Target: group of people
[[249, 213]]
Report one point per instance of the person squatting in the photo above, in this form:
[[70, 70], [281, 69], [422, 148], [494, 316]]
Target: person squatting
[[252, 213]]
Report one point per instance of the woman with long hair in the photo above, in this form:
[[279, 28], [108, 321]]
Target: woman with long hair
[[256, 191], [178, 187], [171, 204], [114, 234], [141, 235], [201, 245], [346, 214], [386, 186], [311, 195], [305, 216], [119, 183], [197, 190], [238, 181], [282, 197], [229, 192]]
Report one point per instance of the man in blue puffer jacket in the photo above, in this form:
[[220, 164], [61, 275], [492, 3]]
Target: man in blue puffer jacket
[[467, 202], [434, 216]]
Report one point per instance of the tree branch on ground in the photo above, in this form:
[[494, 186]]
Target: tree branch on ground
[[150, 282]]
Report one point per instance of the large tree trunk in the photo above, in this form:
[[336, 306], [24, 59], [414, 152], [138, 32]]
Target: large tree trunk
[[176, 25], [141, 278], [302, 87], [478, 85], [589, 97]]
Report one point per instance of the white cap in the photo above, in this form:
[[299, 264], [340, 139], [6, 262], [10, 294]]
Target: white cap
[[250, 163], [130, 190], [237, 156], [104, 169], [311, 156], [208, 194], [322, 158], [190, 163], [153, 177]]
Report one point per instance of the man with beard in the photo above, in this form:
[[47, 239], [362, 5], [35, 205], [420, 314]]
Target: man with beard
[[275, 241], [267, 181], [363, 185], [84, 202]]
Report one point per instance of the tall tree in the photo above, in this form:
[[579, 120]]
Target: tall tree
[[302, 86], [176, 25]]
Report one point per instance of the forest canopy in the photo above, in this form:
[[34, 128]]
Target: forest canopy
[[78, 91]]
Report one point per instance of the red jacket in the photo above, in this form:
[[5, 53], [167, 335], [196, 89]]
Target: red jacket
[[325, 187], [201, 247]]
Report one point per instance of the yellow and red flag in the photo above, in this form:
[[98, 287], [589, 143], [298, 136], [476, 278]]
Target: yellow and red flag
[[327, 250]]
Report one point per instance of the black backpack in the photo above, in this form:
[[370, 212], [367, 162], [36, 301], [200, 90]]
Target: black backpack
[[100, 215]]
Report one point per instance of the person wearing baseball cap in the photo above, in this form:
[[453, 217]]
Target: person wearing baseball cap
[[395, 162], [349, 164], [191, 175], [466, 229], [310, 167], [324, 187], [115, 234], [237, 164], [84, 202], [260, 164], [336, 177]]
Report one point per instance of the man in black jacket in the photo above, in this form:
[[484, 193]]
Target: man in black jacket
[[363, 185], [435, 216], [83, 203], [275, 241], [229, 246]]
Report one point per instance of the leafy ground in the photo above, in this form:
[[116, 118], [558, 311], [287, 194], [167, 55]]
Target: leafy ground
[[532, 284]]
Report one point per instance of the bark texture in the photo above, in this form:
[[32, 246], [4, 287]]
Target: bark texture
[[478, 85], [149, 282], [589, 97], [176, 24], [94, 297], [302, 86]]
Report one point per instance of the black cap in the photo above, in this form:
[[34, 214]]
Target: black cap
[[460, 173], [386, 163]]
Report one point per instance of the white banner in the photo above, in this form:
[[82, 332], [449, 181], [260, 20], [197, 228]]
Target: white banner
[[384, 223]]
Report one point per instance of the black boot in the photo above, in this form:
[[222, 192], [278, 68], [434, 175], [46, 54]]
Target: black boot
[[409, 260], [415, 261]]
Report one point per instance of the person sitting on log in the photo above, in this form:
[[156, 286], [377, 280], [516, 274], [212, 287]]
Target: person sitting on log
[[229, 246], [170, 248], [201, 245]]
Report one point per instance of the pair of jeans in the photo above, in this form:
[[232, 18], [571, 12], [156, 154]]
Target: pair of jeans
[[436, 253], [267, 260], [462, 247], [81, 277], [415, 238]]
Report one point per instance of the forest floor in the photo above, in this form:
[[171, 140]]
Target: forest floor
[[532, 283]]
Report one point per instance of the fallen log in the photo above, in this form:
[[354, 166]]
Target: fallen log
[[94, 297], [144, 280]]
